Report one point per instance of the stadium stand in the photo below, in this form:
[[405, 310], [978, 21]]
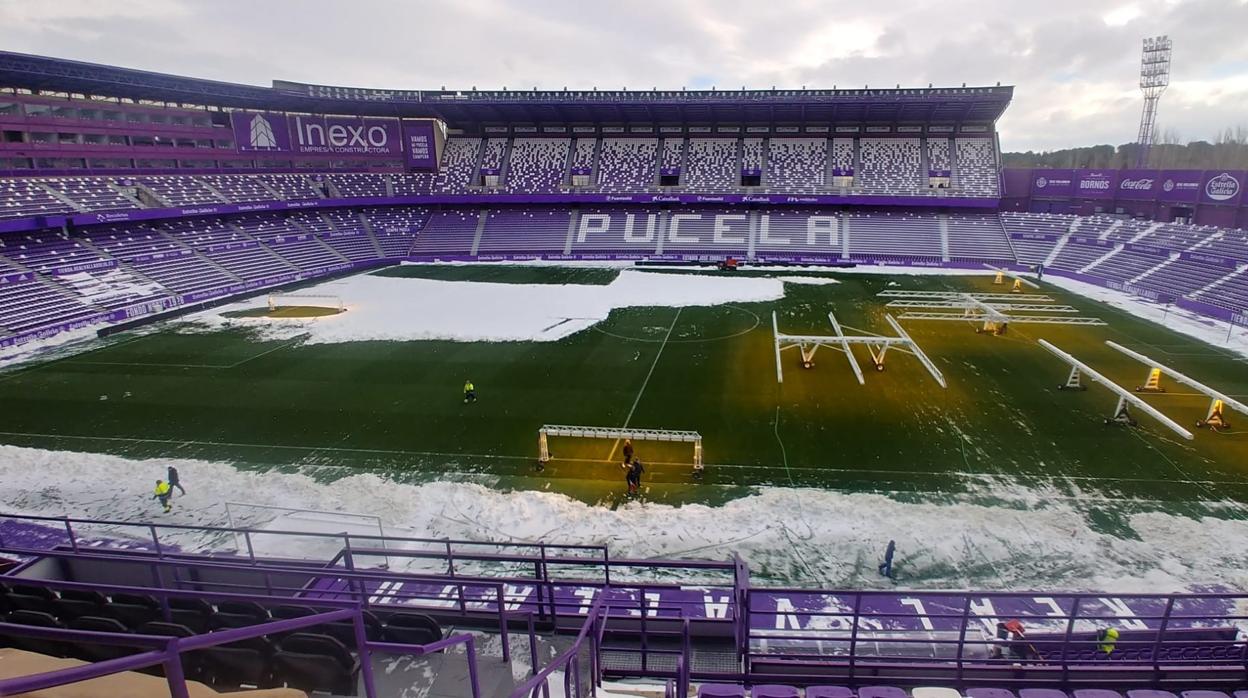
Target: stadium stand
[[712, 165], [889, 165], [627, 164], [537, 164], [796, 164]]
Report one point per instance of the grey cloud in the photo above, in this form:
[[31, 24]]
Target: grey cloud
[[1059, 54]]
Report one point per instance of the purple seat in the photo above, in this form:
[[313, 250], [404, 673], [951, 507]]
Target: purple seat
[[768, 690], [721, 690], [887, 692], [1205, 694], [995, 693], [829, 692], [1096, 693], [1146, 693], [1041, 693]]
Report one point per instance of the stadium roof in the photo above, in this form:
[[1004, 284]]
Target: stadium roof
[[469, 108]]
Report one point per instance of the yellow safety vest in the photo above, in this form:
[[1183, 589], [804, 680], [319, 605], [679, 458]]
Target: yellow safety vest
[[1109, 639], [468, 387], [162, 488]]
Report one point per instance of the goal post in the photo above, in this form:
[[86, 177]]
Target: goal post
[[277, 300], [669, 435]]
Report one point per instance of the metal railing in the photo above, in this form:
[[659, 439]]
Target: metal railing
[[588, 642], [168, 651]]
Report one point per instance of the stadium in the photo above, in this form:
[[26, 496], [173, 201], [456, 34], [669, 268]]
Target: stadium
[[402, 347]]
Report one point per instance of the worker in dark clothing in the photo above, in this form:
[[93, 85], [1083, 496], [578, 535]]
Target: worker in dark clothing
[[886, 567], [162, 494], [633, 477], [172, 474], [628, 451]]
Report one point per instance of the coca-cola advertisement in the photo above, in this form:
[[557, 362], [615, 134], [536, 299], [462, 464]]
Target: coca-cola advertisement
[[1140, 185]]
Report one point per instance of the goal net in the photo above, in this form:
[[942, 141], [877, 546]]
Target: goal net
[[691, 439], [283, 300]]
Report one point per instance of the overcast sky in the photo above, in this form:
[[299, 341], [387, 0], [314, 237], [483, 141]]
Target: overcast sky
[[1074, 63]]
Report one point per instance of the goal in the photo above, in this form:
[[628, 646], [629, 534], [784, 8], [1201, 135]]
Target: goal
[[279, 300], [612, 433]]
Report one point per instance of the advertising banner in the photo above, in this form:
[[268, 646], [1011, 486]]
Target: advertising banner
[[343, 135], [1180, 186], [419, 147], [1052, 182], [1139, 185], [256, 132], [1221, 187], [1095, 184]]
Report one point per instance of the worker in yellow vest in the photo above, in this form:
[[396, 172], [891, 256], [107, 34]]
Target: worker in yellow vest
[[470, 392], [163, 492], [1108, 639]]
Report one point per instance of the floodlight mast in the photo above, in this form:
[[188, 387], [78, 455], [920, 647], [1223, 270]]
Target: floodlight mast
[[1154, 79]]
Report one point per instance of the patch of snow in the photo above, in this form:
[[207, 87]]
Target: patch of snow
[[400, 309], [1206, 329], [808, 280], [1000, 535]]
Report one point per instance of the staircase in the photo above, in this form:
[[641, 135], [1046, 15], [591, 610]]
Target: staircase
[[574, 221], [1154, 269], [1239, 271], [1061, 242], [1102, 258], [1146, 232], [943, 220], [60, 197], [476, 237], [1109, 231]]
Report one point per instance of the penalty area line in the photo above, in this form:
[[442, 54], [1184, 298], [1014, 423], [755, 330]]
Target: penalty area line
[[646, 382]]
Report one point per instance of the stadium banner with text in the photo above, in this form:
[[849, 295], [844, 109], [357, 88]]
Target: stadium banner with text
[[1096, 184], [260, 132], [1140, 185], [1180, 186], [344, 135], [1052, 182], [420, 149], [1222, 187]]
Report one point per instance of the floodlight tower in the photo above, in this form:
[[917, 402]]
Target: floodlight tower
[[1154, 79]]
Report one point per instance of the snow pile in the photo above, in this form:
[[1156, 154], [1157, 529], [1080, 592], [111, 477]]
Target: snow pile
[[808, 280], [1173, 318], [388, 308], [999, 536]]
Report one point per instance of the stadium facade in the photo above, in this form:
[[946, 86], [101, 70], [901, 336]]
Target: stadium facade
[[129, 194]]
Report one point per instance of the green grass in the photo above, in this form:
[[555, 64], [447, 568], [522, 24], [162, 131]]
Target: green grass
[[283, 311], [396, 406]]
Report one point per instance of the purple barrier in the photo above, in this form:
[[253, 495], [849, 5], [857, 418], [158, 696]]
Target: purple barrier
[[21, 224], [84, 266], [160, 255], [97, 218], [242, 245], [1034, 236], [1147, 249], [51, 330], [17, 278], [1209, 259], [1214, 311]]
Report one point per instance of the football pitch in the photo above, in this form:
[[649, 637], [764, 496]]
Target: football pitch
[[396, 406]]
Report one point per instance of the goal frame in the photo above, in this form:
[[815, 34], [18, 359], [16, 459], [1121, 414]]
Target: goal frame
[[337, 300], [634, 434]]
